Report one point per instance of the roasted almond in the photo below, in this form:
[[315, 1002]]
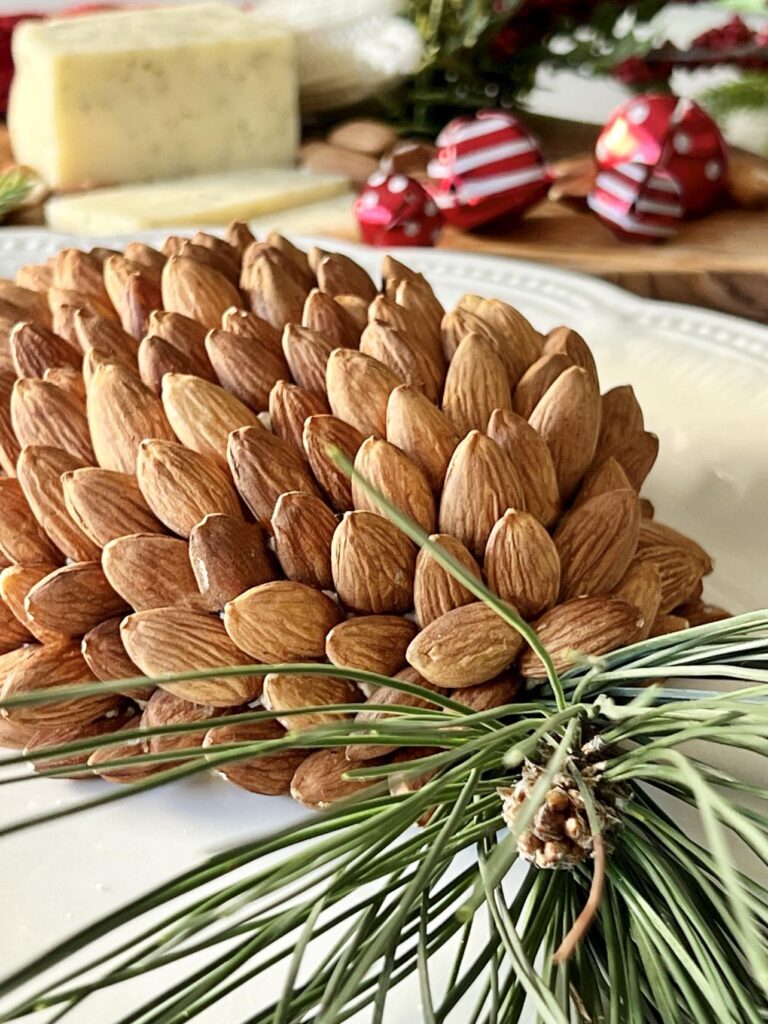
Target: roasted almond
[[196, 291], [35, 348], [394, 476], [227, 557], [268, 774], [536, 380], [302, 526], [121, 413], [522, 563], [404, 354], [39, 473], [44, 414], [477, 383], [281, 621], [73, 599], [15, 583], [464, 647], [106, 504], [151, 570], [246, 369], [167, 641], [289, 407], [532, 460], [202, 414], [422, 431], [373, 564], [641, 586], [435, 590], [22, 539], [480, 485], [264, 467], [584, 626], [181, 486], [320, 437], [358, 389], [570, 343], [55, 664], [319, 780], [323, 314], [284, 692], [596, 542], [375, 643], [568, 418], [306, 352]]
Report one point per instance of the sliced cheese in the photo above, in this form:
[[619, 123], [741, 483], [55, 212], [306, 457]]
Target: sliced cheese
[[209, 199], [137, 95]]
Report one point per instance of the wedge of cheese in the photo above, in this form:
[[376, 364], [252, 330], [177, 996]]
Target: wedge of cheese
[[136, 95], [209, 199]]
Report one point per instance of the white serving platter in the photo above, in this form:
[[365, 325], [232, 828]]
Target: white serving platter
[[702, 379]]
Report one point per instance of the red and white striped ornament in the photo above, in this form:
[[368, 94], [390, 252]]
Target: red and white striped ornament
[[638, 202], [671, 135], [486, 167]]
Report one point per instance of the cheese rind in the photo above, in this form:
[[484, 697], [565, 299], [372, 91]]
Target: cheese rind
[[137, 95], [209, 199]]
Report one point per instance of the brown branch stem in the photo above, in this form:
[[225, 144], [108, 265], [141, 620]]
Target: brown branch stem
[[584, 920]]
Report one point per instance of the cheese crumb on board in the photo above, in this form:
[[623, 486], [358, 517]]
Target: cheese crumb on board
[[137, 95], [208, 199]]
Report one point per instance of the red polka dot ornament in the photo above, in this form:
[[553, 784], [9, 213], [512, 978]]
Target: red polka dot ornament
[[394, 209], [672, 137], [486, 167]]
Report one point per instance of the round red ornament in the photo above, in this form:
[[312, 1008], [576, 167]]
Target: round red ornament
[[638, 202], [487, 166], [394, 209], [673, 136]]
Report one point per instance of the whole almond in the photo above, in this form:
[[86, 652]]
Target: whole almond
[[69, 299], [664, 624], [80, 272], [570, 343], [106, 337], [338, 274], [270, 774], [22, 539], [38, 277], [166, 709], [196, 291], [477, 383], [600, 479], [272, 294], [321, 435], [323, 314], [227, 557], [103, 650], [226, 265], [358, 389], [480, 485], [15, 736], [464, 647], [281, 621], [641, 586], [435, 590], [264, 467], [522, 563], [246, 324], [404, 354], [532, 460], [55, 664], [373, 564], [167, 641], [39, 472], [620, 417], [364, 135], [133, 293], [302, 527], [181, 331], [297, 256], [418, 325], [260, 253], [156, 357], [293, 692], [106, 504], [244, 368], [356, 307], [151, 570], [43, 414], [289, 408], [493, 694], [680, 572], [306, 352], [239, 236], [23, 303], [422, 431], [637, 455], [416, 295], [568, 418], [62, 321], [517, 342], [151, 260], [203, 415], [15, 583], [322, 158], [67, 379], [596, 542], [9, 445], [700, 612], [220, 247], [54, 736], [535, 381], [583, 626], [375, 643], [73, 599], [653, 533], [13, 632], [456, 325], [35, 348], [385, 695], [181, 486], [393, 475], [319, 780], [121, 413], [100, 761]]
